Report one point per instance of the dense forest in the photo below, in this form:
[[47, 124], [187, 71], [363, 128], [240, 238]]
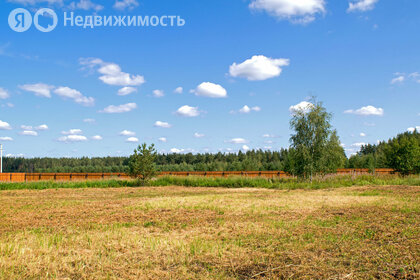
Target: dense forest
[[401, 153], [251, 160]]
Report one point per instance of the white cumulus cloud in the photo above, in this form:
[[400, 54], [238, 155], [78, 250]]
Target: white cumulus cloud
[[245, 148], [126, 91], [246, 109], [362, 5], [4, 94], [258, 68], [162, 124], [412, 129], [303, 106], [73, 138], [97, 137], [112, 73], [4, 125], [163, 139], [125, 108], [238, 141], [125, 4], [158, 93], [188, 111], [132, 140], [199, 135], [6, 138], [75, 95], [296, 11], [398, 79], [40, 89], [207, 89], [73, 131], [29, 133], [176, 151], [127, 133], [179, 90], [85, 5], [367, 111]]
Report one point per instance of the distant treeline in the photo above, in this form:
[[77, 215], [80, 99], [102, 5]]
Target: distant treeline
[[401, 153], [250, 161]]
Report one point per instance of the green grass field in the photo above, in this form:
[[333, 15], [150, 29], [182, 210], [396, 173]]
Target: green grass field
[[175, 232]]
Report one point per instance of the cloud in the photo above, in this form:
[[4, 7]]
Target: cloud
[[40, 89], [29, 133], [179, 90], [42, 127], [4, 125], [296, 11], [72, 138], [238, 141], [402, 77], [125, 4], [162, 124], [34, 2], [269, 136], [158, 93], [113, 109], [4, 94], [132, 140], [361, 5], [111, 73], [74, 131], [85, 5], [303, 106], [366, 111], [245, 148], [6, 138], [412, 129], [258, 68], [358, 145], [246, 109], [126, 91], [199, 135], [75, 95], [163, 139], [176, 151], [97, 137], [362, 134], [89, 120], [398, 79], [188, 111], [127, 133], [210, 90]]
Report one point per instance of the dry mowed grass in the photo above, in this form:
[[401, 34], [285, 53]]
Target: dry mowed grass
[[208, 233]]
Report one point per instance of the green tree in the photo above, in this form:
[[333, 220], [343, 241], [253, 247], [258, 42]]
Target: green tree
[[315, 146], [142, 163], [403, 153]]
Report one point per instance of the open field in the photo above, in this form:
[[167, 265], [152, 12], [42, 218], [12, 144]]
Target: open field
[[210, 233]]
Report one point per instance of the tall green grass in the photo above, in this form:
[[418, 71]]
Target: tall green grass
[[287, 183], [42, 185], [228, 182]]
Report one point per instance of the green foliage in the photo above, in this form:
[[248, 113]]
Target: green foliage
[[315, 146], [401, 153], [142, 163]]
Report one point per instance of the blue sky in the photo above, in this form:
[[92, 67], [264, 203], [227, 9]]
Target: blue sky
[[241, 64]]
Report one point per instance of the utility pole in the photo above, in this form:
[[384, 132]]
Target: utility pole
[[1, 156]]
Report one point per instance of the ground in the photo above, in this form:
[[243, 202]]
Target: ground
[[210, 233]]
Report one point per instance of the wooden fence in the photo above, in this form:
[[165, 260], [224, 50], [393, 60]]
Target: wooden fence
[[32, 177]]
